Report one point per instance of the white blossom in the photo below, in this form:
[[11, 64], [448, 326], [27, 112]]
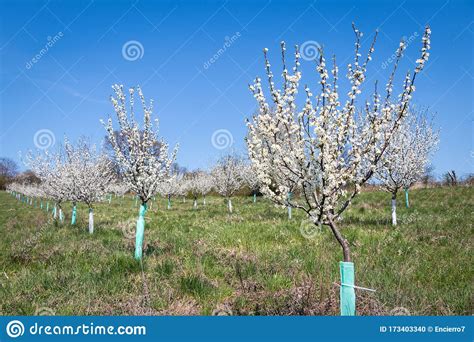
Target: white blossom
[[142, 168], [406, 159], [324, 149], [227, 176]]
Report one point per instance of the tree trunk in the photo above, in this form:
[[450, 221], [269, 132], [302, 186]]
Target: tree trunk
[[91, 221], [195, 204], [394, 209], [140, 232], [347, 292], [346, 251]]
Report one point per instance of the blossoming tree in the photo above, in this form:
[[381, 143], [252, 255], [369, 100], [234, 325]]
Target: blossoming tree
[[118, 188], [325, 147], [406, 159], [89, 173], [251, 179], [205, 184], [141, 166], [55, 175], [169, 188], [191, 183], [227, 175]]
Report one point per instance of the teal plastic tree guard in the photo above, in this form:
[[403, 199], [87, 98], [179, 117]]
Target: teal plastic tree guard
[[47, 207], [254, 197], [140, 232], [74, 214], [407, 201], [347, 291]]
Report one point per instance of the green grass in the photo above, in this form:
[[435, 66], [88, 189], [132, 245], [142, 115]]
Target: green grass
[[253, 262]]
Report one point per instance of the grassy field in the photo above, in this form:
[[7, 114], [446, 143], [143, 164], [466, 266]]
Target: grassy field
[[253, 262]]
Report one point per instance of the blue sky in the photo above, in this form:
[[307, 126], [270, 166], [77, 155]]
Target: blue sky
[[65, 91]]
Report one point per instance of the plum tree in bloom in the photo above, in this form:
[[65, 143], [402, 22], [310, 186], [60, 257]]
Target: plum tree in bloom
[[406, 159], [142, 167], [55, 175], [251, 180], [118, 188], [170, 187], [325, 147], [181, 187], [227, 175], [198, 183], [205, 183], [90, 174], [27, 192], [190, 183]]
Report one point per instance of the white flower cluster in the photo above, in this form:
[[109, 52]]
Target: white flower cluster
[[227, 175], [324, 150], [89, 173], [118, 188], [405, 160], [171, 186], [142, 167], [52, 169], [27, 190], [249, 175], [73, 173], [198, 183]]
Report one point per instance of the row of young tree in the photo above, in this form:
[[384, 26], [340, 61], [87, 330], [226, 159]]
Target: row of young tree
[[315, 158], [79, 174]]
